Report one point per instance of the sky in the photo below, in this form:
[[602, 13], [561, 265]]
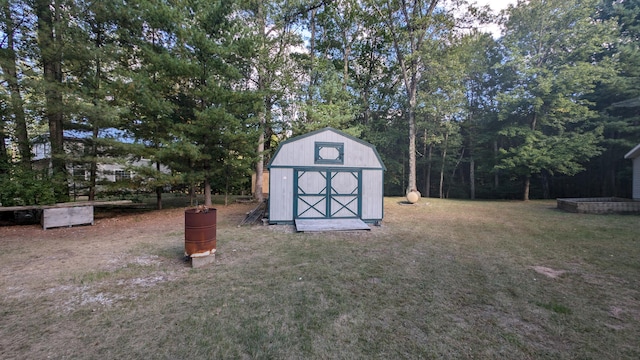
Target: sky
[[496, 6]]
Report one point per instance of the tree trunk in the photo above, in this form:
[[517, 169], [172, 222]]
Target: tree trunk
[[424, 155], [4, 157], [260, 166], [257, 195], [11, 76], [367, 86], [527, 185], [226, 192], [207, 193], [496, 177], [412, 143], [95, 122], [93, 170], [312, 60], [193, 200], [260, 162], [347, 53], [545, 186], [472, 179], [158, 190], [472, 165], [428, 180], [444, 159], [456, 168], [48, 18], [612, 177], [410, 65], [527, 181]]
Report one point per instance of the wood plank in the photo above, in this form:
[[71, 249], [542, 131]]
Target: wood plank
[[67, 216], [255, 215], [88, 203], [20, 208], [66, 204], [311, 225]]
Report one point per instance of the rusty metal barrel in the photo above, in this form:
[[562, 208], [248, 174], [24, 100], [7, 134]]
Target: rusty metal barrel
[[199, 232]]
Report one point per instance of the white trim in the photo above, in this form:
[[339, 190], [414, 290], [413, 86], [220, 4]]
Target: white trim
[[634, 153]]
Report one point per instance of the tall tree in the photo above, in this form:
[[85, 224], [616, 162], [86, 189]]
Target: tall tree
[[409, 24], [418, 30], [441, 98], [93, 61], [215, 51], [610, 174], [8, 64], [51, 29], [4, 120], [155, 71], [480, 54], [552, 47], [274, 72]]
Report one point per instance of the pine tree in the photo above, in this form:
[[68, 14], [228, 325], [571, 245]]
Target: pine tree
[[50, 33], [215, 51], [8, 64]]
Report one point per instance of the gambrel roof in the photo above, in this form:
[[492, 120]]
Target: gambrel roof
[[295, 151]]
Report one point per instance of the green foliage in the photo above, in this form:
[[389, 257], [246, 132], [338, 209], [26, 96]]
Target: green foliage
[[610, 173], [332, 105], [197, 86], [19, 186], [545, 119]]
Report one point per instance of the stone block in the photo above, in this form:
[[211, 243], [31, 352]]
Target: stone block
[[201, 261]]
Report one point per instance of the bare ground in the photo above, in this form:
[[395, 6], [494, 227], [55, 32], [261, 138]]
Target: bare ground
[[59, 253]]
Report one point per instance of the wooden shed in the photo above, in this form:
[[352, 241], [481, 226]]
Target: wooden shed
[[634, 155], [325, 175]]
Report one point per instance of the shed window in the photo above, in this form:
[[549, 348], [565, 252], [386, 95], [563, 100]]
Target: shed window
[[329, 153]]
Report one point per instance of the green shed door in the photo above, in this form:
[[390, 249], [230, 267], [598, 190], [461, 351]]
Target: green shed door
[[327, 194]]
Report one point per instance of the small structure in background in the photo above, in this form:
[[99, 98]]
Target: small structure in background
[[326, 176], [612, 205], [609, 205], [111, 172], [634, 155]]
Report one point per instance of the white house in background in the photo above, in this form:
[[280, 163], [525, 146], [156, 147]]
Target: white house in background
[[108, 169], [325, 174], [634, 155]]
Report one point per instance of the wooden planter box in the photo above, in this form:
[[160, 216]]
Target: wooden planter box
[[67, 216]]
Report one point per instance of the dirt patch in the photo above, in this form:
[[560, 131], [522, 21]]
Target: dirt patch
[[548, 272], [85, 258]]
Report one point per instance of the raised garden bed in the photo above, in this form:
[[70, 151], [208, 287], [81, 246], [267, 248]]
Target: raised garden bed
[[605, 205]]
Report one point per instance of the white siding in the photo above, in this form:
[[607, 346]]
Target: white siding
[[281, 195], [636, 178], [301, 152], [372, 194]]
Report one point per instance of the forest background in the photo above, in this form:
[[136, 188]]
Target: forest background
[[208, 89]]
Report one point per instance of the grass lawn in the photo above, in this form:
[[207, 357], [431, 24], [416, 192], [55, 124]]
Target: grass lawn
[[441, 279]]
